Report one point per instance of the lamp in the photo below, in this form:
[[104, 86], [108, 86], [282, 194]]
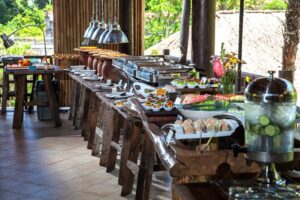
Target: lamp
[[115, 34], [101, 28], [88, 38], [8, 42]]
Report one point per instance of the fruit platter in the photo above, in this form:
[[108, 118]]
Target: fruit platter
[[208, 102], [202, 128], [195, 106], [191, 83]]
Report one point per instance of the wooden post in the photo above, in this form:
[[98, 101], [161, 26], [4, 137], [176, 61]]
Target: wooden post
[[203, 34]]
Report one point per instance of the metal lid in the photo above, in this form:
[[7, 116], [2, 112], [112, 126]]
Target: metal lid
[[271, 90]]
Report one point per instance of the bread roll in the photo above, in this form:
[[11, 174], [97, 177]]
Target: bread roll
[[223, 125], [198, 125], [188, 129], [187, 122]]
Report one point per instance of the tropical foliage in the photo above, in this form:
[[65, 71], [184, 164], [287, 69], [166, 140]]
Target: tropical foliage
[[163, 16], [17, 13]]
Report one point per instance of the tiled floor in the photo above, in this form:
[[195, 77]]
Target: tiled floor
[[42, 162]]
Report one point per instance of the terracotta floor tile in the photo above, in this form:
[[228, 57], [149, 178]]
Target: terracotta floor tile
[[6, 183], [81, 196], [40, 162], [9, 195], [53, 193], [26, 189]]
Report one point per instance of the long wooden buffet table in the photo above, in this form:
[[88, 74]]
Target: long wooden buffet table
[[102, 124]]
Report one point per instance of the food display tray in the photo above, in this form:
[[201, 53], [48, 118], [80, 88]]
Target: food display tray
[[180, 135], [151, 113]]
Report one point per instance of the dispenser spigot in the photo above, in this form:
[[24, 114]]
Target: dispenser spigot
[[236, 148]]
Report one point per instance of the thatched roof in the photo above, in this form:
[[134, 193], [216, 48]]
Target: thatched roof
[[262, 44]]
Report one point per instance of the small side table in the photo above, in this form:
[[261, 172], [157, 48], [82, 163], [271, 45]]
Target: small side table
[[20, 77]]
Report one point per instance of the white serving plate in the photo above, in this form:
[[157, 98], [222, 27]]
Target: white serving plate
[[180, 135], [139, 88], [88, 78], [117, 96], [199, 114], [77, 67]]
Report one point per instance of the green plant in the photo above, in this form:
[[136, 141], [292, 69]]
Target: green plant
[[275, 5], [162, 20]]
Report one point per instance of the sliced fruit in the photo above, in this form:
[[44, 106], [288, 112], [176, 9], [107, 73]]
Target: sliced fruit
[[264, 120], [271, 130]]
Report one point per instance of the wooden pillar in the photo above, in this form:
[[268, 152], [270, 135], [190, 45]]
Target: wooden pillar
[[203, 34]]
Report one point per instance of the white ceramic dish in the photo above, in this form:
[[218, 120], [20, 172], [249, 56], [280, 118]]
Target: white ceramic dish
[[156, 109], [87, 72], [180, 86], [115, 96], [147, 107], [88, 78], [191, 86], [77, 67], [198, 114], [168, 108], [140, 88]]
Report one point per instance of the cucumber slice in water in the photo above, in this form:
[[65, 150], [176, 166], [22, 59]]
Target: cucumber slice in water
[[257, 128], [271, 130], [264, 120]]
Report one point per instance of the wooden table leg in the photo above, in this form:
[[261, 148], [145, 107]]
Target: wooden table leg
[[127, 129], [92, 118], [78, 120], [5, 90], [146, 169], [20, 90], [52, 100], [76, 103], [72, 100], [96, 115], [30, 108], [110, 116], [133, 148], [113, 149], [85, 114]]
